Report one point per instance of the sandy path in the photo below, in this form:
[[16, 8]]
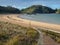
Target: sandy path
[[48, 41]]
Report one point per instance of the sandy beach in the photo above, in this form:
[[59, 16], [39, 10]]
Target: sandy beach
[[13, 18]]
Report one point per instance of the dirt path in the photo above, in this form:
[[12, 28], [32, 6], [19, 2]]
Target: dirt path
[[49, 41]]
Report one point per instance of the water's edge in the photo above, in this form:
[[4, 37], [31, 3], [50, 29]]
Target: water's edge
[[47, 18]]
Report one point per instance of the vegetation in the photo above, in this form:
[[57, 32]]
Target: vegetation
[[37, 9], [9, 9], [58, 11], [13, 34], [55, 36]]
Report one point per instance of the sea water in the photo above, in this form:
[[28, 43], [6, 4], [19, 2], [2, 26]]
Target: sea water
[[47, 18]]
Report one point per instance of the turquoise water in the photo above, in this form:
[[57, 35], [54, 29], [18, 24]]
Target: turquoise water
[[48, 18]]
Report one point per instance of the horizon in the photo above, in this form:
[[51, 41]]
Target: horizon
[[21, 4]]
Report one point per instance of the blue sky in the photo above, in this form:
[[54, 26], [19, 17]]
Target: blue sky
[[26, 3]]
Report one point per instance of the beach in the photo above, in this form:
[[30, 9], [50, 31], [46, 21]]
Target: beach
[[13, 18]]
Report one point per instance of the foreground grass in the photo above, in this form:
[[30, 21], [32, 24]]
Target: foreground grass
[[13, 34], [55, 36]]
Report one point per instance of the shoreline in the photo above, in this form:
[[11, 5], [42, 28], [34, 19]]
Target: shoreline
[[29, 23], [51, 19]]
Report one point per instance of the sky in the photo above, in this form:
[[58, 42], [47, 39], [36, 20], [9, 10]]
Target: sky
[[26, 3]]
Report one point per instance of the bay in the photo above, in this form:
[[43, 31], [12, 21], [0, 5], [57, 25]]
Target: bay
[[47, 18]]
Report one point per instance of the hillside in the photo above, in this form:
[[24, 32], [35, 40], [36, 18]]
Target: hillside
[[37, 9], [9, 9]]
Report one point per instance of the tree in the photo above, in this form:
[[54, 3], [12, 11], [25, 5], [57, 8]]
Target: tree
[[58, 11]]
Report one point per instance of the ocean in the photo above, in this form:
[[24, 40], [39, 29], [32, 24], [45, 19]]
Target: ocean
[[47, 18]]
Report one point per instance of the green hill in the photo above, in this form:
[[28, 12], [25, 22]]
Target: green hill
[[37, 9]]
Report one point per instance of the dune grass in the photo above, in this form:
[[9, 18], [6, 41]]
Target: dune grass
[[55, 36], [13, 34]]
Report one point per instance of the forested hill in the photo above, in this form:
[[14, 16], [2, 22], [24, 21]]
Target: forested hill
[[9, 9], [38, 9]]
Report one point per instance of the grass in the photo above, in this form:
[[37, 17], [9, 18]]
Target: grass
[[55, 36], [13, 34]]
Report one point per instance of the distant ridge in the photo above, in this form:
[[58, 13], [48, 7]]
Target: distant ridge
[[9, 9]]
